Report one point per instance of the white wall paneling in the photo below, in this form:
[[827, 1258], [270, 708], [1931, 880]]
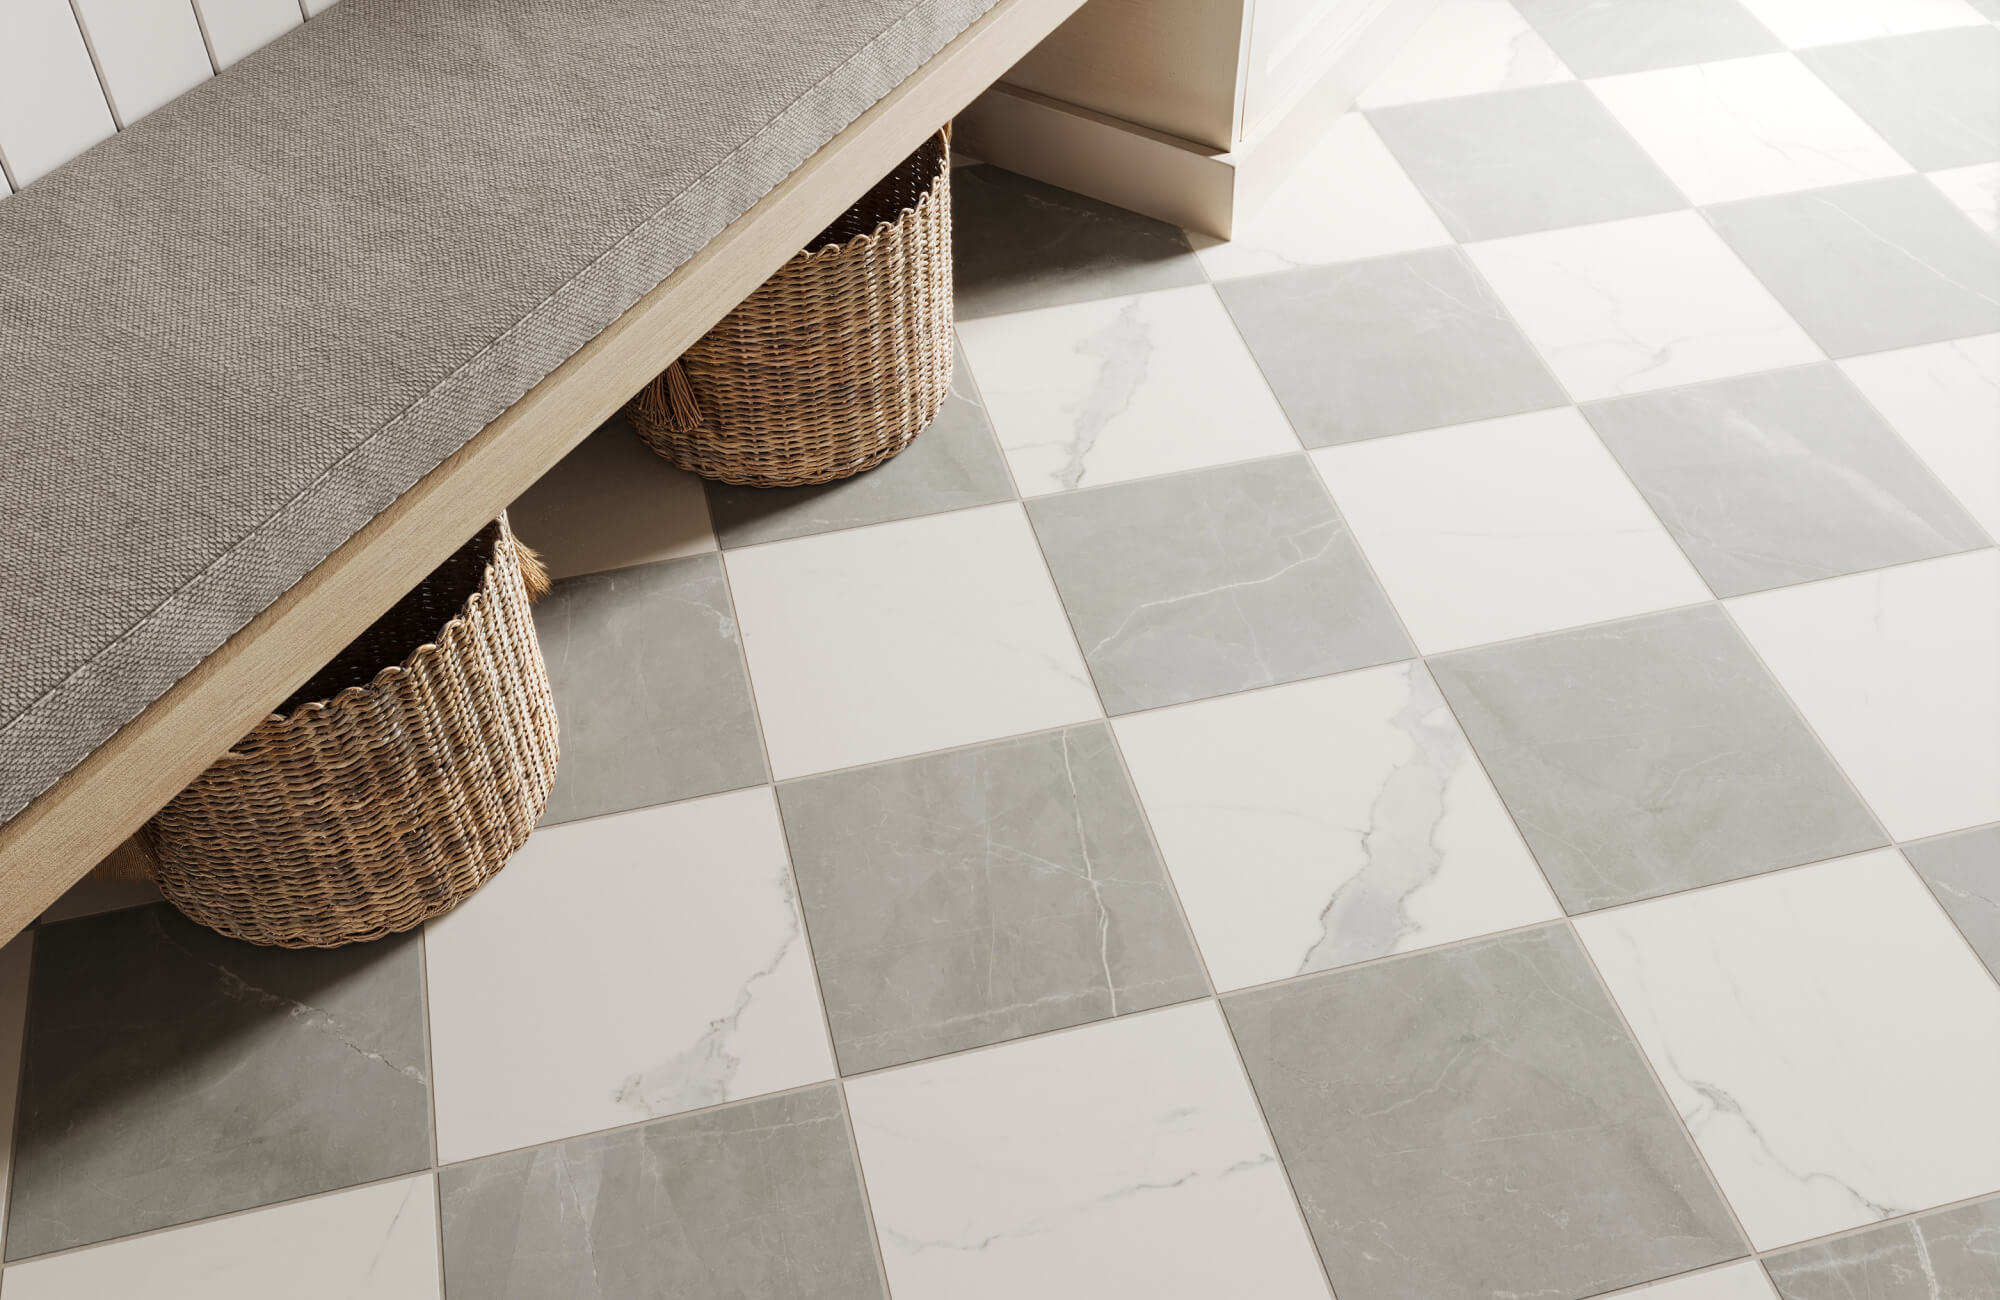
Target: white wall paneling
[[51, 106], [74, 71], [236, 27], [147, 51]]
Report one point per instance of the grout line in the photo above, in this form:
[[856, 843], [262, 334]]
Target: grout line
[[430, 1093], [1665, 1096], [383, 1181], [1950, 920]]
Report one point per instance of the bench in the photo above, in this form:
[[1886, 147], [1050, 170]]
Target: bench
[[271, 354]]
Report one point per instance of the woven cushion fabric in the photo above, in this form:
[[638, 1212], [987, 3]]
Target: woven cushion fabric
[[234, 333]]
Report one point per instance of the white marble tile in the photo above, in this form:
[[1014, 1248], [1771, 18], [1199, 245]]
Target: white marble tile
[[1898, 671], [1645, 303], [1832, 1044], [14, 962], [1504, 528], [1122, 388], [1944, 398], [1327, 822], [1122, 1159], [377, 1242], [1822, 22], [1346, 198], [621, 968], [1743, 1280], [1976, 189], [612, 504], [1466, 47], [1747, 127], [903, 638]]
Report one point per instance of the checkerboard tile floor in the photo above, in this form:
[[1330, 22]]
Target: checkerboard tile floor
[[1448, 747]]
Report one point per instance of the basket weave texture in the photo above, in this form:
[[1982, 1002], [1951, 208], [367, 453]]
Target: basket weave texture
[[344, 819], [836, 362]]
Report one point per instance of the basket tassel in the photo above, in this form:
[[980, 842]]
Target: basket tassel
[[683, 412]]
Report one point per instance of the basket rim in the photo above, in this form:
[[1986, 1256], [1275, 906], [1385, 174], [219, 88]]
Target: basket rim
[[942, 178], [349, 697]]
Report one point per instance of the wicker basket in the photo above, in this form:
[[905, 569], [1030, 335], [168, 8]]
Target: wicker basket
[[837, 362], [375, 799]]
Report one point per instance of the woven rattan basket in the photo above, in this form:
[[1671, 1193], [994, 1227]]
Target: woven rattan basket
[[836, 362], [379, 796]]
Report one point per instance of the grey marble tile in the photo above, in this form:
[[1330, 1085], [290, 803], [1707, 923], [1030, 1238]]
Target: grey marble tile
[[1597, 38], [1214, 581], [981, 894], [1991, 8], [1650, 756], [651, 693], [1963, 870], [1870, 266], [1945, 1255], [1523, 160], [1388, 345], [1476, 1122], [1018, 244], [756, 1199], [1781, 477], [1930, 94], [172, 1074], [953, 464]]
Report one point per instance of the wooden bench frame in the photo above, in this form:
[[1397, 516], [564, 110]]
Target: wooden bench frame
[[58, 838]]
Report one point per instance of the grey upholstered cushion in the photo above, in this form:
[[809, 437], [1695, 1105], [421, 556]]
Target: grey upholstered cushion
[[233, 334]]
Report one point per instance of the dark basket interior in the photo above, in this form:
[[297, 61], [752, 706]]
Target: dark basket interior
[[416, 620], [892, 196]]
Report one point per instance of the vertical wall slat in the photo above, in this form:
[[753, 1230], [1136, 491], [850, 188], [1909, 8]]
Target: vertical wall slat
[[236, 27], [51, 106], [147, 51]]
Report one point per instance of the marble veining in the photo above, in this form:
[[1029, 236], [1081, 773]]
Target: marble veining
[[1327, 822], [377, 1242], [1869, 266], [1649, 302], [1387, 345], [1947, 1255], [1121, 1159], [1898, 670], [167, 1067], [903, 638], [970, 897], [1219, 580], [1504, 528], [1747, 127], [651, 698], [1945, 401], [1748, 999], [1928, 93], [623, 967], [1650, 756], [1772, 479], [761, 1198], [1123, 388], [1963, 870], [1524, 160], [1474, 1122]]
